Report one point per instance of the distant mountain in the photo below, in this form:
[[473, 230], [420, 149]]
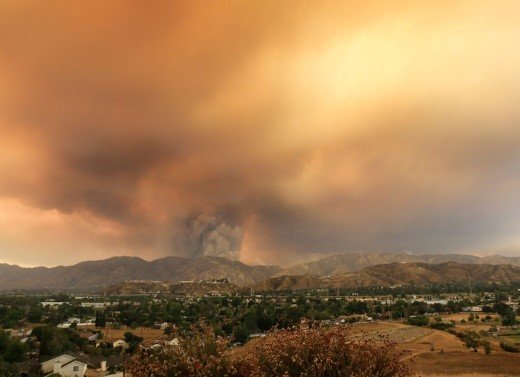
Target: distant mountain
[[350, 262], [94, 275], [178, 288], [397, 273], [421, 273]]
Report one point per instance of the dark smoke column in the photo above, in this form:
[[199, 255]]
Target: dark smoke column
[[209, 234]]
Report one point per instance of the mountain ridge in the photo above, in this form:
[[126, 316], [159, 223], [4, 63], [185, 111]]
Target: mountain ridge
[[349, 262], [396, 274], [103, 273]]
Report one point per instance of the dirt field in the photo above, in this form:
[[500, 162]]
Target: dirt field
[[450, 356], [148, 334]]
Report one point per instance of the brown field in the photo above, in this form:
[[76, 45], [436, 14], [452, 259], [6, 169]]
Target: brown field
[[450, 356], [458, 316], [148, 334]]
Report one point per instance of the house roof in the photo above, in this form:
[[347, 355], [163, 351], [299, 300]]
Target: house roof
[[95, 361], [58, 357]]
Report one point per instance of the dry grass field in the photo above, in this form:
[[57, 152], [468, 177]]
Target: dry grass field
[[148, 334], [442, 353]]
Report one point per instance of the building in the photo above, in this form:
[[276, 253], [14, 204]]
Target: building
[[64, 365], [120, 343], [472, 309], [172, 343], [53, 303]]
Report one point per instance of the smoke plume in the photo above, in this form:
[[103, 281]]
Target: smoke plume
[[209, 234]]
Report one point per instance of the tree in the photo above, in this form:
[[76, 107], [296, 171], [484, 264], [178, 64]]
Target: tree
[[241, 333], [419, 320], [34, 315], [508, 317], [501, 308], [487, 348], [15, 351], [101, 321], [132, 340], [471, 341]]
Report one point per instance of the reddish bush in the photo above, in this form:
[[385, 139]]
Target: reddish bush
[[326, 353], [315, 352]]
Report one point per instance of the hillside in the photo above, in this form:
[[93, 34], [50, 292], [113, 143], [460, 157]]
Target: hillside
[[291, 283], [350, 262], [420, 273], [397, 273], [94, 275], [200, 288]]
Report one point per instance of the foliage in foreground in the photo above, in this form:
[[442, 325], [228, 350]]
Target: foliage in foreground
[[316, 352]]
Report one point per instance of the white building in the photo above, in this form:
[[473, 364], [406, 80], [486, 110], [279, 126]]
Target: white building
[[64, 365], [120, 343], [53, 303], [95, 305], [173, 343]]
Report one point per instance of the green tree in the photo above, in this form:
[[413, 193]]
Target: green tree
[[241, 333], [15, 352], [419, 320], [508, 317]]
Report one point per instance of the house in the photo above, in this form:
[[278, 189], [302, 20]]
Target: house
[[173, 343], [472, 309], [162, 325], [120, 343], [101, 365], [64, 365], [95, 305], [53, 303]]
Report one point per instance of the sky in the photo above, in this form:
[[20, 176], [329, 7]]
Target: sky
[[265, 131]]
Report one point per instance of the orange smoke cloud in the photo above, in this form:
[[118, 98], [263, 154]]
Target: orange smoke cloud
[[305, 128]]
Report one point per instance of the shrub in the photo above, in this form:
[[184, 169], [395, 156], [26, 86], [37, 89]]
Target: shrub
[[326, 352], [419, 320], [471, 340], [441, 325], [509, 347], [487, 347], [199, 356]]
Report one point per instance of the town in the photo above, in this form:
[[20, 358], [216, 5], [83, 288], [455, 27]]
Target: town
[[96, 334]]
